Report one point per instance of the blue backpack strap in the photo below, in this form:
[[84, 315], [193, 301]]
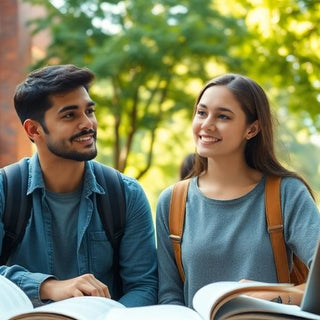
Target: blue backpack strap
[[112, 211], [17, 206]]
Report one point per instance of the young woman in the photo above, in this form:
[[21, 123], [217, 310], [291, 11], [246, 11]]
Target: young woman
[[225, 234]]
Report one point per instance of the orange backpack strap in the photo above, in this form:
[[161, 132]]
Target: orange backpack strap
[[176, 220], [275, 227]]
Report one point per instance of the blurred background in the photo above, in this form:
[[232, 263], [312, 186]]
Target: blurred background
[[151, 58]]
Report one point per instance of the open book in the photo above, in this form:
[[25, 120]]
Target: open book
[[215, 301], [220, 300]]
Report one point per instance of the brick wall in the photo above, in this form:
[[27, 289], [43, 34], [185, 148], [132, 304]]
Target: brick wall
[[15, 56]]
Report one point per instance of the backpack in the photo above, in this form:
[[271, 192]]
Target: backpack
[[18, 206], [299, 271]]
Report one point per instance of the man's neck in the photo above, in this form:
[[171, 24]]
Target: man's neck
[[62, 175]]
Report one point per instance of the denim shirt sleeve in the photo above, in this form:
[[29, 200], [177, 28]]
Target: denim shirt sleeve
[[138, 259], [137, 251], [29, 282]]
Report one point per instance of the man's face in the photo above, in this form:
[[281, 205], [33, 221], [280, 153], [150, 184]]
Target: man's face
[[71, 126]]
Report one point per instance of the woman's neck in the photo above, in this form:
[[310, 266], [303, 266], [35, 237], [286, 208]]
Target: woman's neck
[[228, 181]]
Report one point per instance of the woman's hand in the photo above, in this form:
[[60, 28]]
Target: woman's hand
[[294, 297]]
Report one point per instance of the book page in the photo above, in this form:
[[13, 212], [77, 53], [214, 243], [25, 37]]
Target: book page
[[80, 308], [155, 312], [247, 307], [40, 316], [12, 299], [209, 298]]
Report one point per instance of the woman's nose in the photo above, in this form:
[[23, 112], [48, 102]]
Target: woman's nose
[[209, 124]]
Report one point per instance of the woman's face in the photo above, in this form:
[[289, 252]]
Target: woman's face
[[219, 125]]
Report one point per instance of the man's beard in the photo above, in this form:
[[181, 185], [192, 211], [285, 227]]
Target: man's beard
[[63, 152], [73, 155]]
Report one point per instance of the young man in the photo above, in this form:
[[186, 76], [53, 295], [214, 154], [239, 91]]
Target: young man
[[64, 251]]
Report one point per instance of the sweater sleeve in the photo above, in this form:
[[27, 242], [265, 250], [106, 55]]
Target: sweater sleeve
[[170, 284], [301, 219]]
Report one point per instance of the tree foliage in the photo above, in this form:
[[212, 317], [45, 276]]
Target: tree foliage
[[146, 56], [151, 57], [284, 52]]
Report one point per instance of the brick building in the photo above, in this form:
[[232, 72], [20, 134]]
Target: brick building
[[16, 52]]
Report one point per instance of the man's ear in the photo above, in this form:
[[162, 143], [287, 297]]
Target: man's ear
[[253, 130], [32, 128]]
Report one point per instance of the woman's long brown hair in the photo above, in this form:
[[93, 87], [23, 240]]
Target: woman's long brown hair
[[259, 151]]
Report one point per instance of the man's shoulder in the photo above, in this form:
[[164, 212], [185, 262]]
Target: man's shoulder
[[128, 181], [133, 191], [14, 171], [22, 161]]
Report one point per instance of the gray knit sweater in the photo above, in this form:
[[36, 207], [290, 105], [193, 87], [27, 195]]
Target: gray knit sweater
[[228, 239]]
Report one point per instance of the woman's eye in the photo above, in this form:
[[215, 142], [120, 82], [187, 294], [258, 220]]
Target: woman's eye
[[201, 113], [223, 117]]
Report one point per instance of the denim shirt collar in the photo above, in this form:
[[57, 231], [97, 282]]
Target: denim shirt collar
[[35, 178]]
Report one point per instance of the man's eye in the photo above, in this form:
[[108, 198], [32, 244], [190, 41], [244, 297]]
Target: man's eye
[[91, 111], [68, 115]]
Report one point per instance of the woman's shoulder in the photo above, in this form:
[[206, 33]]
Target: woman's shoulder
[[165, 195], [290, 183], [293, 189]]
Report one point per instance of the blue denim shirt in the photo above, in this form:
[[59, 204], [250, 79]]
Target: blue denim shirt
[[32, 261]]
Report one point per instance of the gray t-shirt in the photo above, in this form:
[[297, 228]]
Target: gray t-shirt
[[227, 240], [64, 214]]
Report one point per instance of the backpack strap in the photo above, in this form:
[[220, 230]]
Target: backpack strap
[[274, 222], [176, 220], [275, 227], [112, 211], [17, 206], [299, 272]]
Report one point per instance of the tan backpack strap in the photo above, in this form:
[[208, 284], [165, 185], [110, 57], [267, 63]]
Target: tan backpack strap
[[176, 220], [275, 227]]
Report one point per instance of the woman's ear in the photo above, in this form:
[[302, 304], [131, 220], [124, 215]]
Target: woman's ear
[[253, 130], [31, 127]]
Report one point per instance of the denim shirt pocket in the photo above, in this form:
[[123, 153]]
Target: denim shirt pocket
[[101, 255]]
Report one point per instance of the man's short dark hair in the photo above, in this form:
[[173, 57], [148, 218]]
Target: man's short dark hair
[[32, 96]]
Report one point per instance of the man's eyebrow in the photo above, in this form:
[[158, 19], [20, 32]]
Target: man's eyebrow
[[74, 107]]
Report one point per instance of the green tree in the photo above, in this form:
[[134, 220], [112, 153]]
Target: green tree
[[148, 57], [283, 52], [152, 57]]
